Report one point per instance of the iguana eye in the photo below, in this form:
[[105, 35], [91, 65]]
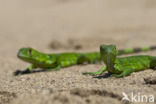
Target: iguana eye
[[30, 51]]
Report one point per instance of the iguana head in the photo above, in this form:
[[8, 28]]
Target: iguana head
[[108, 53], [34, 57]]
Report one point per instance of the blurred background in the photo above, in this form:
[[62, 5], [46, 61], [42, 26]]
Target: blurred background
[[86, 23]]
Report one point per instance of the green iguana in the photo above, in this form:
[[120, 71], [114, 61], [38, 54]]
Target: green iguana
[[56, 61], [120, 67]]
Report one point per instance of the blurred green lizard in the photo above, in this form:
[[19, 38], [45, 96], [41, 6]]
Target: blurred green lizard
[[56, 61], [120, 67]]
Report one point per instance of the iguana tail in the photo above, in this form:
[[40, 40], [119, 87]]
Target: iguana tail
[[136, 50]]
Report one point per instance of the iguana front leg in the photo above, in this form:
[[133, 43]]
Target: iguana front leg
[[28, 70], [124, 73], [31, 67], [96, 73]]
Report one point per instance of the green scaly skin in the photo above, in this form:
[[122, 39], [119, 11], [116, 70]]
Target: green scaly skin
[[120, 67], [56, 61]]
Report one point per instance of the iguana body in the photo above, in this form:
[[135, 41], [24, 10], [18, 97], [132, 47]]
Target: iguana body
[[57, 61], [120, 67]]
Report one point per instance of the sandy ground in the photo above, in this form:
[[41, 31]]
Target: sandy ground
[[66, 26]]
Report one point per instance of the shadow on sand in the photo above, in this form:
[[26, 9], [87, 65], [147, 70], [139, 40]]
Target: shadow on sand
[[26, 71]]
